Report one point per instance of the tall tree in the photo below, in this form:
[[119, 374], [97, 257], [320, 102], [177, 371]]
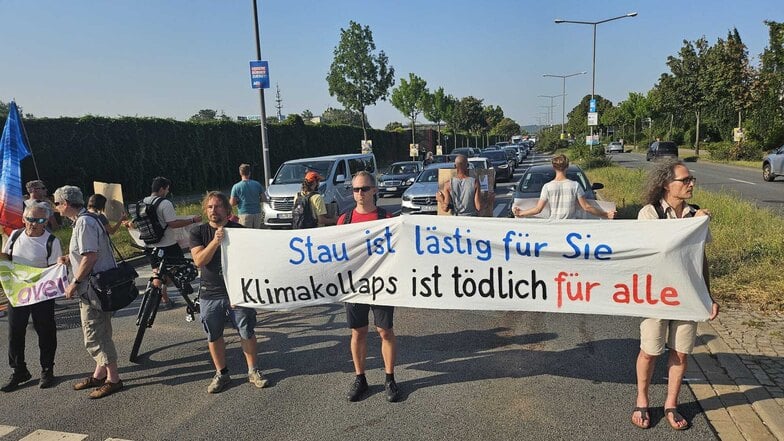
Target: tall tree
[[577, 118], [767, 121], [410, 98], [469, 116], [357, 77], [205, 115], [506, 128], [4, 109], [493, 115], [689, 81], [450, 116], [436, 108], [343, 117]]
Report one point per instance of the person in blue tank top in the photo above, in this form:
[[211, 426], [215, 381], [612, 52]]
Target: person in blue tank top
[[247, 196]]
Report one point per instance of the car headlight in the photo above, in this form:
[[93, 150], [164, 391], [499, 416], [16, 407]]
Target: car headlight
[[406, 197], [409, 181], [503, 166]]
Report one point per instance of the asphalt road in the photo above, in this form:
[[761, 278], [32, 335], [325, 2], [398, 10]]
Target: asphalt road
[[744, 182], [464, 375]]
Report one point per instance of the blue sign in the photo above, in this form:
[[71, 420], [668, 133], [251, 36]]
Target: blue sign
[[259, 75], [592, 105]]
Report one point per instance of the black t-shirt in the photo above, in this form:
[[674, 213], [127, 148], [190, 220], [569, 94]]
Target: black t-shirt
[[212, 285]]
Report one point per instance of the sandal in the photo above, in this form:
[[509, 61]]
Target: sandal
[[644, 416], [676, 418]]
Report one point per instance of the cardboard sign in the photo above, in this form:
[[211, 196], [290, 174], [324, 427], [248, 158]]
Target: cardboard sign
[[114, 199]]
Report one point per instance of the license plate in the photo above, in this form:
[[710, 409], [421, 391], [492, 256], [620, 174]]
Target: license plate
[[428, 208], [391, 188], [284, 215]]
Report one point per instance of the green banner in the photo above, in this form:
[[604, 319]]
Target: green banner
[[26, 285]]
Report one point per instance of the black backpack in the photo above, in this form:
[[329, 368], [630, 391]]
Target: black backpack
[[15, 235], [380, 214], [302, 213], [147, 222]]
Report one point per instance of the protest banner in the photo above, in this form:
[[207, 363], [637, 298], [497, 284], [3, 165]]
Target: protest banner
[[623, 267], [115, 209], [26, 285], [526, 203]]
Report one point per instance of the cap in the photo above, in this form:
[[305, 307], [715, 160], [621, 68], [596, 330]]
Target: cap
[[313, 176]]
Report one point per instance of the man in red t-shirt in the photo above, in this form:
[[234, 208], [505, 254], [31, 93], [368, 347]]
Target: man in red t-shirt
[[364, 187]]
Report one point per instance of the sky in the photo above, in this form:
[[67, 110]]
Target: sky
[[170, 58]]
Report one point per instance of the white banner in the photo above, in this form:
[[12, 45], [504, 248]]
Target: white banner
[[26, 285], [620, 267]]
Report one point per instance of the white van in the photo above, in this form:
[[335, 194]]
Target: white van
[[337, 171]]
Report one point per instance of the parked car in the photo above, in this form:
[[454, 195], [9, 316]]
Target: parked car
[[420, 198], [511, 153], [398, 177], [532, 181], [614, 147], [773, 164], [500, 162], [662, 149]]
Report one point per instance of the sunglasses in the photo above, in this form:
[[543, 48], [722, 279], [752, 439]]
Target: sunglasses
[[36, 220], [57, 204], [687, 180], [364, 189]]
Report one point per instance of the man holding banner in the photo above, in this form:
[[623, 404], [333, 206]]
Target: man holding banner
[[31, 246], [669, 186]]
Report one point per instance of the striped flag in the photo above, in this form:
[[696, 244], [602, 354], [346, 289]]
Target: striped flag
[[13, 149]]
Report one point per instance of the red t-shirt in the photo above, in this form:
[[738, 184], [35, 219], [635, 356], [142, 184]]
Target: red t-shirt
[[357, 217]]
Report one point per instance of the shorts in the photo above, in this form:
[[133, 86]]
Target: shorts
[[171, 251], [357, 315], [677, 334], [213, 318], [251, 220]]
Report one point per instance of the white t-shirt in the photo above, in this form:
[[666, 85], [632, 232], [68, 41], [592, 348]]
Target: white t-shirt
[[166, 214], [31, 251], [562, 197]]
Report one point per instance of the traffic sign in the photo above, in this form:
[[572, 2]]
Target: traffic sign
[[593, 118], [592, 105]]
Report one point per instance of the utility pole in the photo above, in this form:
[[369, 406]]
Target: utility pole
[[263, 122]]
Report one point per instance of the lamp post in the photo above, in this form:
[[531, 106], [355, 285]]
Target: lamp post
[[594, 24], [263, 116], [563, 94], [551, 105]]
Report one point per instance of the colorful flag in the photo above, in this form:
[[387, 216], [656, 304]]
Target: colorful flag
[[25, 285], [13, 149]]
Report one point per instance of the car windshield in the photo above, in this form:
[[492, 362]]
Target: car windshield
[[532, 182], [294, 173], [429, 175], [668, 147], [402, 169], [494, 155], [477, 164]]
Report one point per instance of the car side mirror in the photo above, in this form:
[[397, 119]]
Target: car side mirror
[[340, 178], [597, 186]]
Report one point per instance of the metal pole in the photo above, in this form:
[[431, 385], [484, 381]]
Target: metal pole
[[593, 76], [263, 125], [563, 105]]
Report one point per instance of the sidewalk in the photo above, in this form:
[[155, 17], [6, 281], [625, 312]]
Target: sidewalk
[[737, 374]]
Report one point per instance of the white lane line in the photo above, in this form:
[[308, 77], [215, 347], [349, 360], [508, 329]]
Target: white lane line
[[742, 181], [48, 435], [497, 211], [5, 430]]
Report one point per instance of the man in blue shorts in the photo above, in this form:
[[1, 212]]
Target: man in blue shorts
[[247, 195]]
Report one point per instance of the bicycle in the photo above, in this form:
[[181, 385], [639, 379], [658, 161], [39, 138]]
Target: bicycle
[[181, 272]]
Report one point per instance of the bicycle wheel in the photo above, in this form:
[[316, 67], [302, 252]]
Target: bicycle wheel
[[150, 302]]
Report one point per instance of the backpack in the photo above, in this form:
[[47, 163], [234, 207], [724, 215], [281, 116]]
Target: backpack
[[662, 215], [380, 214], [302, 213], [15, 235], [147, 222]]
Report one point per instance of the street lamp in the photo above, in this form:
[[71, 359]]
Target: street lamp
[[563, 94], [594, 24], [551, 105]]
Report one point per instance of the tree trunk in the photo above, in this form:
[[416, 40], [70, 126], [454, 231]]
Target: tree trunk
[[364, 129], [697, 134], [413, 131], [439, 132]]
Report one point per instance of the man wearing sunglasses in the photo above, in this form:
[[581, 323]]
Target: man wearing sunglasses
[[38, 194], [36, 247], [670, 185], [364, 188]]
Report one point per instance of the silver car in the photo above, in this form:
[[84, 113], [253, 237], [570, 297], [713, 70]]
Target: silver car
[[773, 164], [614, 147]]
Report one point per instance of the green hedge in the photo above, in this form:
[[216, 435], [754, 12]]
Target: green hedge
[[195, 156]]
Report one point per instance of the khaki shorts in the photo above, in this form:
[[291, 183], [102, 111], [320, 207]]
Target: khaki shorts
[[251, 220], [677, 334]]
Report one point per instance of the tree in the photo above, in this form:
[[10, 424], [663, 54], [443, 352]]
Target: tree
[[410, 98], [437, 107], [767, 120], [357, 78], [4, 109], [450, 116], [493, 115], [506, 128], [688, 80], [394, 126], [204, 115], [343, 117], [307, 115], [578, 117], [469, 116]]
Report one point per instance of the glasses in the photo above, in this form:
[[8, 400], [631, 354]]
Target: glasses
[[57, 204], [36, 220], [687, 180], [364, 189]]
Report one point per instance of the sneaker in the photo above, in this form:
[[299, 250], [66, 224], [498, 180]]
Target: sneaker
[[89, 383], [47, 379], [218, 383], [15, 380], [106, 389], [392, 392], [256, 378], [358, 389]]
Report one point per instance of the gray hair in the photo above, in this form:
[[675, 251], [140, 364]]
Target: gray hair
[[70, 194], [662, 174], [29, 209]]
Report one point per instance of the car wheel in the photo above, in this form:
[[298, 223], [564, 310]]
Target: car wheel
[[767, 174]]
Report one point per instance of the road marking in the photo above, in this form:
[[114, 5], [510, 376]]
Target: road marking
[[5, 430], [498, 209], [742, 181], [49, 435]]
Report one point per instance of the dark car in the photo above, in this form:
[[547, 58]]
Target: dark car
[[662, 149], [398, 177], [504, 170], [534, 178], [468, 152], [440, 159], [511, 153]]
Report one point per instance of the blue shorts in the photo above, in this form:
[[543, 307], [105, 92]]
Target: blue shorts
[[213, 318]]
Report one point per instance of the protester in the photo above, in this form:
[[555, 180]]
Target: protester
[[247, 196], [96, 204], [364, 188], [668, 188], [461, 194], [37, 193], [36, 247], [214, 298], [309, 209], [428, 158], [563, 196], [90, 253]]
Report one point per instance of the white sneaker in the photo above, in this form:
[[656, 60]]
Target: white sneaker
[[218, 383], [256, 378]]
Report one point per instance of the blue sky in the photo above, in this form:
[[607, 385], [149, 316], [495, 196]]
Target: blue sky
[[170, 58]]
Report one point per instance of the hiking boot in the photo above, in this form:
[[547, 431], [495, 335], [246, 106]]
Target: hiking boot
[[218, 383], [89, 383], [358, 389], [106, 389], [256, 378], [392, 392], [15, 380], [47, 379]]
